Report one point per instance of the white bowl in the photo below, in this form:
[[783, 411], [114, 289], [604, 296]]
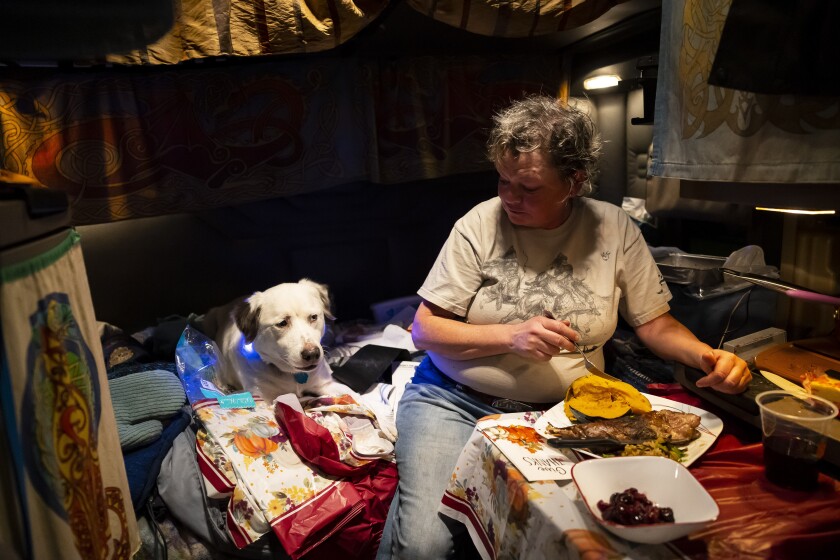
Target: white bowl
[[665, 482]]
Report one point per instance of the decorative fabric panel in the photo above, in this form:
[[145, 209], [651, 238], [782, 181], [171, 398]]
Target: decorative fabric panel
[[710, 133], [214, 28], [221, 28], [136, 142], [523, 18], [64, 483]]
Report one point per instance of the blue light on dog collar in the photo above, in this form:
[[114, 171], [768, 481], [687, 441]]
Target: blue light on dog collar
[[301, 377], [247, 349]]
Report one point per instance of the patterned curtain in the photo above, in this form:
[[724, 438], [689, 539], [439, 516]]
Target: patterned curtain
[[145, 142], [711, 133]]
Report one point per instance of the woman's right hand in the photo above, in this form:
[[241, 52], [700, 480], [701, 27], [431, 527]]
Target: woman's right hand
[[541, 338], [444, 333]]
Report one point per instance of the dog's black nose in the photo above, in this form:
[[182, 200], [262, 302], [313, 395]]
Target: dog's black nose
[[310, 353]]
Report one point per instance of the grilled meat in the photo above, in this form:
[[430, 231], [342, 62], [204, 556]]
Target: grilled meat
[[675, 427]]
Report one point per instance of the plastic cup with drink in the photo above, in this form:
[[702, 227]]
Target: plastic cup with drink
[[794, 428]]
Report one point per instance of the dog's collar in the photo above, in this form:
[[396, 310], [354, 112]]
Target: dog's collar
[[248, 351]]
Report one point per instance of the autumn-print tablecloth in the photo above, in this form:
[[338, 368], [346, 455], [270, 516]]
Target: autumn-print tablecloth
[[509, 517]]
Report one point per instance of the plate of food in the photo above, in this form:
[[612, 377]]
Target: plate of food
[[650, 426]]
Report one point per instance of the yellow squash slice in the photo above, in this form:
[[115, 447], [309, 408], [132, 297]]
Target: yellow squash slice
[[602, 398]]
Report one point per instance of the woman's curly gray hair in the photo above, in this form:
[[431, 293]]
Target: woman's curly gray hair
[[540, 122]]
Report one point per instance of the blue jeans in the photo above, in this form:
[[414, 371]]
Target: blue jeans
[[434, 422]]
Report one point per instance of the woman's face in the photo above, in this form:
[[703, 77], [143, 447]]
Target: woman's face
[[532, 192]]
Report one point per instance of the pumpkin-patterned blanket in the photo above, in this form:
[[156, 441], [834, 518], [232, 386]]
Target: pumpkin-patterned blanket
[[315, 466]]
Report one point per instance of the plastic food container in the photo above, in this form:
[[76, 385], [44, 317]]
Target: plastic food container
[[693, 270]]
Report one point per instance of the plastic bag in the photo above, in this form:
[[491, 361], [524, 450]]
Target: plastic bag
[[749, 259], [196, 359]]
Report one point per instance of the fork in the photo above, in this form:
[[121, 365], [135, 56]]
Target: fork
[[590, 366]]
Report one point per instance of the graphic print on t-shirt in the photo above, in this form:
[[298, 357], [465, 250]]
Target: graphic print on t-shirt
[[555, 289]]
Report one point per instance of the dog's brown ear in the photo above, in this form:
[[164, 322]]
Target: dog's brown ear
[[247, 317], [323, 293]]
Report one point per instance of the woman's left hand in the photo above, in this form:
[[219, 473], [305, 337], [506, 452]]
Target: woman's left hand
[[671, 340], [725, 372]]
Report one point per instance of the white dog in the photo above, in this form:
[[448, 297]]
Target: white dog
[[270, 343]]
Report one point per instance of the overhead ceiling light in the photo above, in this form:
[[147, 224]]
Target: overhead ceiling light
[[795, 211], [602, 81]]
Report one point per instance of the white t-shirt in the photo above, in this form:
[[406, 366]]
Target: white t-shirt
[[593, 267]]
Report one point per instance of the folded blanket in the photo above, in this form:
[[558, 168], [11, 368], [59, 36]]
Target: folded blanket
[[142, 401]]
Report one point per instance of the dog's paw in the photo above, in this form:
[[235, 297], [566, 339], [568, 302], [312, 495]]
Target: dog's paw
[[334, 389]]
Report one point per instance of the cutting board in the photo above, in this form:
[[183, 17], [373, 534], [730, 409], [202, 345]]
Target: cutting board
[[792, 362]]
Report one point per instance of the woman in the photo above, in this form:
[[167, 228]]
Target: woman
[[522, 278]]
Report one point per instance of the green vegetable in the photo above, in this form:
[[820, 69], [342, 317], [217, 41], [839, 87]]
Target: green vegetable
[[658, 447]]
